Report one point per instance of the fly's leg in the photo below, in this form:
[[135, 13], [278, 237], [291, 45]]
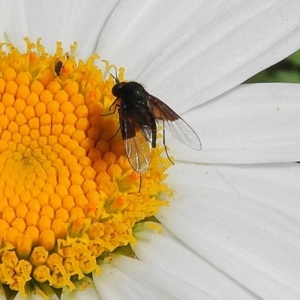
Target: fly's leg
[[114, 135], [140, 184], [164, 143], [115, 108], [110, 109]]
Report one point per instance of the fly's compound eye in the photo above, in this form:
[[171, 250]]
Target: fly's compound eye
[[117, 89]]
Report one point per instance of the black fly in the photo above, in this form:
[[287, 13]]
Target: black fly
[[58, 67], [139, 113]]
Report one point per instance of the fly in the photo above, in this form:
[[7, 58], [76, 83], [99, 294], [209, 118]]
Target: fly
[[58, 68], [139, 114]]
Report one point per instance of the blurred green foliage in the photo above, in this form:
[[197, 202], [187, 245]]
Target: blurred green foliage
[[287, 70]]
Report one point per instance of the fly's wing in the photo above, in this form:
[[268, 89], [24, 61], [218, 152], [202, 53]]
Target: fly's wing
[[174, 123], [137, 141]]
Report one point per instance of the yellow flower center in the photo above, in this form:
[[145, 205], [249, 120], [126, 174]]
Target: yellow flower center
[[68, 194]]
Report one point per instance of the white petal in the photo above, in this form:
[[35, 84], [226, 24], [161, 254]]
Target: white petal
[[168, 253], [86, 22], [16, 27], [253, 242], [48, 21], [128, 278], [231, 44], [192, 52], [276, 185], [5, 11], [65, 21], [254, 123], [137, 31]]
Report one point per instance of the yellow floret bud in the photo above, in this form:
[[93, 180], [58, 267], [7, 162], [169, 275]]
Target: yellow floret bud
[[23, 79], [10, 113], [46, 97], [2, 108], [44, 223], [32, 218], [36, 87], [19, 224], [3, 226], [33, 233], [62, 214], [81, 111], [72, 88], [23, 92], [61, 97], [57, 118], [11, 235], [9, 74], [40, 109], [53, 87], [23, 246], [52, 107], [47, 239], [29, 112], [20, 105], [2, 86], [55, 201], [59, 227], [32, 99], [70, 119], [21, 210], [13, 127], [8, 100], [11, 88], [8, 215], [21, 120]]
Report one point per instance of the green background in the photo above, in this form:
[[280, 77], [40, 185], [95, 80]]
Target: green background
[[287, 70]]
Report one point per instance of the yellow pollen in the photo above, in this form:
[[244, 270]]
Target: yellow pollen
[[69, 196]]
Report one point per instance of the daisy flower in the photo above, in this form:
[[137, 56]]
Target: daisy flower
[[69, 198]]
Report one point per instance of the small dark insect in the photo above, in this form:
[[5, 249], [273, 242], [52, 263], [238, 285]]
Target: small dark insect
[[139, 114], [58, 67]]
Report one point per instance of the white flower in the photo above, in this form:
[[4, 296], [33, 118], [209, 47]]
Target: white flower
[[232, 229]]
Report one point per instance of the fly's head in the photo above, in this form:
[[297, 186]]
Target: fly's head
[[118, 89]]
